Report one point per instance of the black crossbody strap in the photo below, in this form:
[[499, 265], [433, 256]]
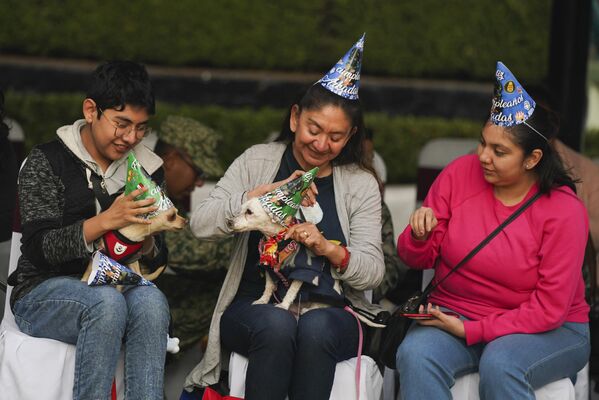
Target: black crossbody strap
[[99, 188], [483, 243]]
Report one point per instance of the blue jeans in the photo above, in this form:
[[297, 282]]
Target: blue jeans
[[99, 320], [511, 367], [285, 355]]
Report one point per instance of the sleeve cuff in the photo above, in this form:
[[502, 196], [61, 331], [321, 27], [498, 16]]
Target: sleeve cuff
[[90, 247], [418, 243], [237, 199], [474, 332]]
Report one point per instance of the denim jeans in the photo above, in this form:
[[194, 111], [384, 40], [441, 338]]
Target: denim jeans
[[100, 320], [510, 367], [288, 356]]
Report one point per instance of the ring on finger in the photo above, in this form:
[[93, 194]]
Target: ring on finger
[[305, 234]]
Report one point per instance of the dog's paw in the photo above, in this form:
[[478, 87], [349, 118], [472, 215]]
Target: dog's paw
[[172, 345], [260, 301], [283, 306]]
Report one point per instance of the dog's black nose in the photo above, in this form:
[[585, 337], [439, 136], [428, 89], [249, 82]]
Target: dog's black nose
[[230, 223]]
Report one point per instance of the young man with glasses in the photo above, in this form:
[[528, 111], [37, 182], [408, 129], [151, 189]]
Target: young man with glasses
[[70, 195]]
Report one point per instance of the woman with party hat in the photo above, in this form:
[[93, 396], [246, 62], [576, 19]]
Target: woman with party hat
[[286, 355], [524, 318]]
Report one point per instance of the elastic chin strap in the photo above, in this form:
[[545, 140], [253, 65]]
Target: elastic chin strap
[[539, 133]]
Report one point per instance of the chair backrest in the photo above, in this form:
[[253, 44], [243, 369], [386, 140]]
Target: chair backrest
[[434, 156], [8, 320]]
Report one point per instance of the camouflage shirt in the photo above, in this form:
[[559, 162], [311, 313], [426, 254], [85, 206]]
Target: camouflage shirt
[[395, 269], [201, 267], [189, 255]]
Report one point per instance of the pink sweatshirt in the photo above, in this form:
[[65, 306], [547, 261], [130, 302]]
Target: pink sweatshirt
[[528, 279]]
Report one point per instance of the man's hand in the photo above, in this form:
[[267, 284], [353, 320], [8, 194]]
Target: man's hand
[[125, 210]]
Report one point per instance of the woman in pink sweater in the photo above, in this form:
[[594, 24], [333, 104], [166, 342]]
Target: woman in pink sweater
[[524, 317]]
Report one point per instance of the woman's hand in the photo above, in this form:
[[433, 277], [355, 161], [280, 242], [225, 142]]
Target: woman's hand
[[448, 323], [125, 210], [308, 234], [422, 222], [309, 196]]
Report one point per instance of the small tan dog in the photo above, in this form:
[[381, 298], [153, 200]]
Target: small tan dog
[[132, 236]]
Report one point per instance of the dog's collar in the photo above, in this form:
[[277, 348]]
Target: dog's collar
[[119, 248], [270, 256], [294, 221]]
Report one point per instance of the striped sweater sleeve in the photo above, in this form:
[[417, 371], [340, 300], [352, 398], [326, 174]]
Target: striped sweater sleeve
[[46, 243]]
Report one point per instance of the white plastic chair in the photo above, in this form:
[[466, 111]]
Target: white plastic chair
[[344, 383], [34, 368], [466, 388]]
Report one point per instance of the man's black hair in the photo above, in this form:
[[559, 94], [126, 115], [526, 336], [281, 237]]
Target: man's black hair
[[116, 84]]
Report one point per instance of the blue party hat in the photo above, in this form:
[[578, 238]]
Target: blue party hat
[[511, 104], [344, 78]]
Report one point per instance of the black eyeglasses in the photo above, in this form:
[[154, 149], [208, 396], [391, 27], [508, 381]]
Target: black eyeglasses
[[122, 129]]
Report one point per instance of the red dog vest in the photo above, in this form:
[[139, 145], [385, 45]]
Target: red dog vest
[[119, 248]]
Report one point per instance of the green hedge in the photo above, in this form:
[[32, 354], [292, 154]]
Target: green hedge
[[397, 139], [591, 143], [425, 38]]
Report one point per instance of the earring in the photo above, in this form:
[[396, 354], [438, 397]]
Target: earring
[[527, 166]]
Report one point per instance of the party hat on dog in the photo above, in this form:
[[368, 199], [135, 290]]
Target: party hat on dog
[[344, 78], [283, 202], [138, 178], [106, 271]]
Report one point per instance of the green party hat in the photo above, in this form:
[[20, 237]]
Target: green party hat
[[283, 202], [138, 178]]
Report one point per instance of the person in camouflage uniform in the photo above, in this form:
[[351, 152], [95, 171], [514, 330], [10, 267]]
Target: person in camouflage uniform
[[395, 270], [188, 150]]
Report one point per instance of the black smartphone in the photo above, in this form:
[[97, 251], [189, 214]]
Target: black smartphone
[[428, 316]]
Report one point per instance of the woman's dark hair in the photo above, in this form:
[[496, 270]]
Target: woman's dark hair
[[549, 169], [315, 98], [3, 126], [116, 84]]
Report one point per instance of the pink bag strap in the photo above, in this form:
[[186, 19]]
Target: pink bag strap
[[360, 342]]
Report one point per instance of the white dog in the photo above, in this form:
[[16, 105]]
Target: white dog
[[254, 217]]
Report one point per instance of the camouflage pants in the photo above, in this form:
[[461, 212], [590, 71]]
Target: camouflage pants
[[191, 302]]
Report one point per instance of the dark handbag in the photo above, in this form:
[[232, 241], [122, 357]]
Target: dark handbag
[[384, 342]]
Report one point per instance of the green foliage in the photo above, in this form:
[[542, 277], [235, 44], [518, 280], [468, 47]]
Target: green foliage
[[397, 139], [424, 38], [591, 143]]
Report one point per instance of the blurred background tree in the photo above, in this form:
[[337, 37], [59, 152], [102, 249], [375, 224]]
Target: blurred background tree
[[428, 65]]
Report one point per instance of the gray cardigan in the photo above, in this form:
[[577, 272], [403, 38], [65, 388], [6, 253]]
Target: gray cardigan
[[359, 208]]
